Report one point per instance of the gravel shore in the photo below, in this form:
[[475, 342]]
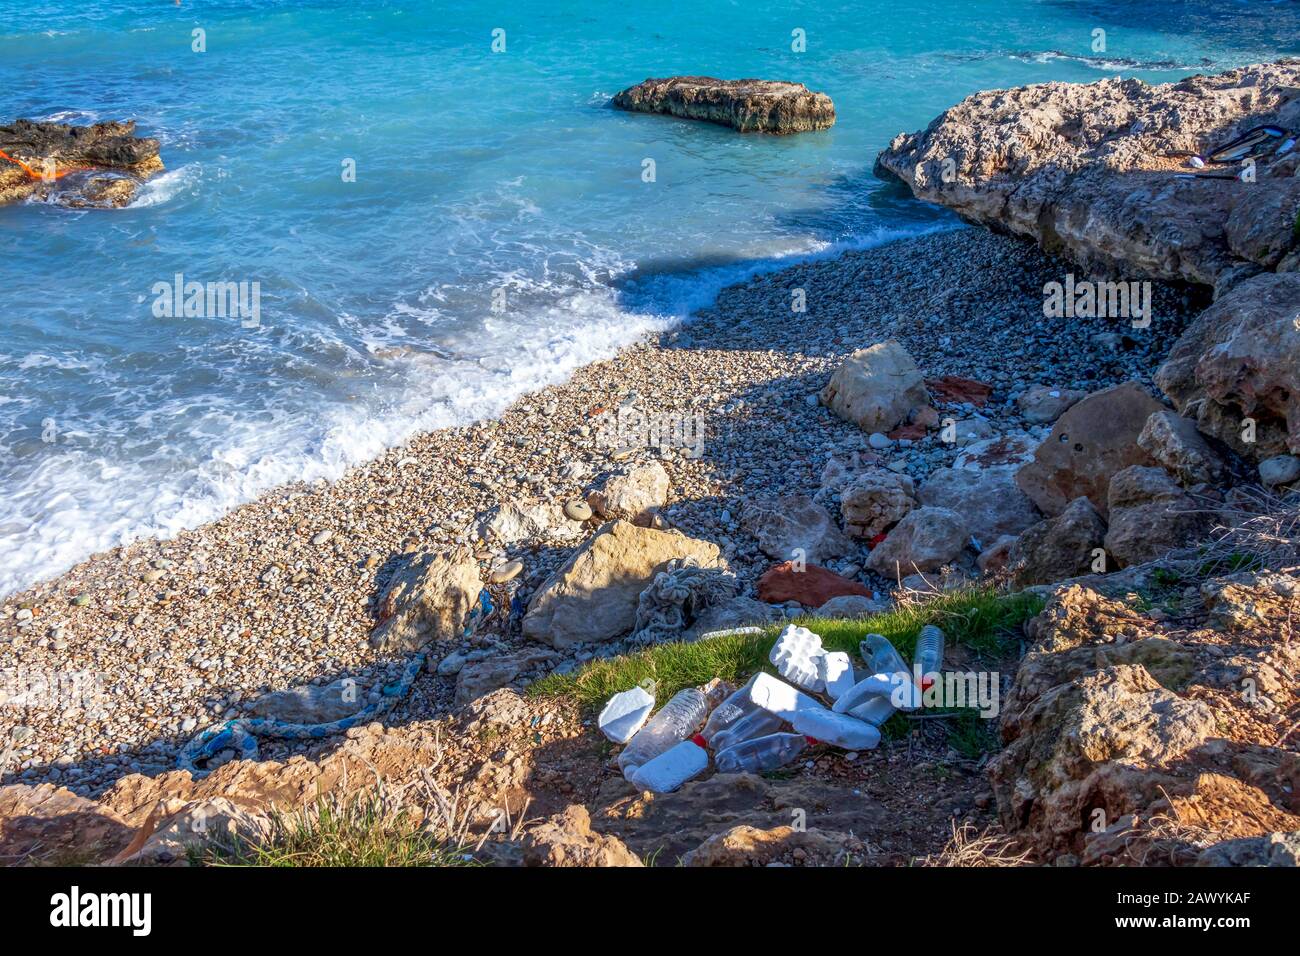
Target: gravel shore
[[166, 637]]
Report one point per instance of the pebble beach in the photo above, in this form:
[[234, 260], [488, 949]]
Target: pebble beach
[[163, 638]]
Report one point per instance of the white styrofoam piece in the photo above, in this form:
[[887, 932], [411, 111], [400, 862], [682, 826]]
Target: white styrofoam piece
[[835, 671], [795, 655], [776, 696], [671, 769], [624, 713], [839, 730]]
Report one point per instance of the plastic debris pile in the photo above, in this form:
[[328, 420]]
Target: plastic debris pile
[[819, 698]]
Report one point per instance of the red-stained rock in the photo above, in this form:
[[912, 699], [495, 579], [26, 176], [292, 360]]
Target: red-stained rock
[[811, 587], [954, 388]]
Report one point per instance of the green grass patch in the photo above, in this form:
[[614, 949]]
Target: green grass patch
[[356, 831], [978, 619]]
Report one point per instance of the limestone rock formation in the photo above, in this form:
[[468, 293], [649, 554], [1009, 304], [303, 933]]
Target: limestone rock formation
[[876, 388], [1086, 170], [1088, 444], [81, 166], [428, 599], [763, 106], [593, 596]]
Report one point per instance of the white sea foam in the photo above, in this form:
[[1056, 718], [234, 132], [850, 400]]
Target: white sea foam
[[83, 501]]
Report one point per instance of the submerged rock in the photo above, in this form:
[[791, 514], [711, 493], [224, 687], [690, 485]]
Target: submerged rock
[[762, 106], [67, 164]]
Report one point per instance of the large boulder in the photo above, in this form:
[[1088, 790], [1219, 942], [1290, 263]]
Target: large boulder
[[1102, 741], [1150, 515], [989, 501], [1088, 444], [430, 598], [50, 825], [1174, 442], [794, 527], [874, 500], [1085, 170], [1239, 360], [1040, 405], [763, 106], [876, 388], [926, 539], [1058, 548], [513, 521], [593, 596], [635, 492]]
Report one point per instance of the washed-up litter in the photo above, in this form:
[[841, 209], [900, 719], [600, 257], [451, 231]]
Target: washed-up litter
[[762, 753], [839, 730], [835, 671], [625, 713], [673, 767], [744, 729], [796, 654]]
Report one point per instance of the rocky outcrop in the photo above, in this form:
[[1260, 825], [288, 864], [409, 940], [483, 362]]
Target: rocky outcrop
[[1086, 169], [750, 846], [80, 166], [430, 598], [1059, 547], [1093, 742], [794, 527], [876, 388], [566, 839], [1150, 515], [594, 595], [1239, 361], [874, 500], [925, 540], [1089, 443], [750, 106]]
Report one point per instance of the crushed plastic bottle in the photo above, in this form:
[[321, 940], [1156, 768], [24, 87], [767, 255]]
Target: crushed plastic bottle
[[677, 720], [928, 658], [775, 695], [882, 658], [727, 713], [839, 730], [756, 723], [835, 671], [672, 768], [761, 753]]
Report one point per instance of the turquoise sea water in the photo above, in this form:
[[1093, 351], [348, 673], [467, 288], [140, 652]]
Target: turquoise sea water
[[476, 171]]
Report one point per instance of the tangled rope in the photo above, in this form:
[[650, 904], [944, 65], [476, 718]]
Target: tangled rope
[[676, 597], [241, 733]]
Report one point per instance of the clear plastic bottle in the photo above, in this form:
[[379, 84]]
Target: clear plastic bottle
[[929, 655], [735, 708], [677, 720], [756, 723], [882, 658], [761, 753]]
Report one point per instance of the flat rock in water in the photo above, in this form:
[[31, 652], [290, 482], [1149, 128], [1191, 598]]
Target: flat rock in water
[[750, 106]]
